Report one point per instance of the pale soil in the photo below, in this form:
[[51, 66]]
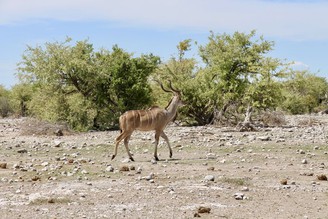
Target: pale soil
[[66, 177]]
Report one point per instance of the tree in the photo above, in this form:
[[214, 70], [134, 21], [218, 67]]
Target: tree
[[237, 77], [240, 73], [304, 92], [20, 96], [87, 89]]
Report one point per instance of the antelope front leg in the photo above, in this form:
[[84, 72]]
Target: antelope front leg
[[126, 143], [163, 135]]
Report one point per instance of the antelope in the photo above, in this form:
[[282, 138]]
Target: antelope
[[154, 118]]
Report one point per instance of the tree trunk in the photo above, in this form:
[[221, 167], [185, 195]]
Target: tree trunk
[[219, 115], [324, 112], [22, 108], [248, 115], [247, 125]]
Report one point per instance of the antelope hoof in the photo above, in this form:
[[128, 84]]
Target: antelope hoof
[[156, 158], [171, 154], [131, 158], [113, 157]]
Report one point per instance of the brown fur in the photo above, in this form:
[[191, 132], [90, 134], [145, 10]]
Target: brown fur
[[154, 118]]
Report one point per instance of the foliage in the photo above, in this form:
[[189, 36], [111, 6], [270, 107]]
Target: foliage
[[239, 73], [88, 89], [20, 95], [5, 106], [304, 92]]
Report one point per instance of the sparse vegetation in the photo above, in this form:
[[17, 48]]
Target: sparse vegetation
[[48, 200], [236, 181], [235, 79]]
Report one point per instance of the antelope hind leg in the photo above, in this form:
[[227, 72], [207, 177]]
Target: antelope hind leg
[[118, 140], [156, 144]]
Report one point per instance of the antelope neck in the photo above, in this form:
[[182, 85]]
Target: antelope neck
[[173, 106]]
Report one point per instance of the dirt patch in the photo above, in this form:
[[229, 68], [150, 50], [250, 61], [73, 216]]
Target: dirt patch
[[276, 172]]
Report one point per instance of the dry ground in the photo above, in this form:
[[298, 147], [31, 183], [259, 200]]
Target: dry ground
[[272, 173]]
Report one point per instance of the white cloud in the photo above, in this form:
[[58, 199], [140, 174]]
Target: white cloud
[[297, 65], [298, 21]]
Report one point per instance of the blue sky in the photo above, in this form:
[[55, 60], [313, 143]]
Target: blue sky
[[299, 28]]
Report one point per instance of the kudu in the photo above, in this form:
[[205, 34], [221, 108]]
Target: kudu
[[154, 118]]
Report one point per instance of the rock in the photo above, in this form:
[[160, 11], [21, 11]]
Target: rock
[[139, 170], [283, 182], [150, 176], [322, 177], [22, 151], [109, 169], [127, 160], [16, 166], [209, 178], [251, 138], [124, 168], [51, 200], [3, 165], [84, 172], [59, 132], [316, 148], [35, 178], [202, 210], [304, 161], [280, 140], [245, 189], [239, 196], [264, 138], [301, 151], [57, 143], [45, 164], [196, 214], [210, 156]]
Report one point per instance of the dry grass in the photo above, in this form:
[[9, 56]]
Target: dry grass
[[32, 126], [47, 200], [236, 181], [310, 121], [273, 118]]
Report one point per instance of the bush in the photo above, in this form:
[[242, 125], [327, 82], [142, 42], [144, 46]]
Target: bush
[[5, 108]]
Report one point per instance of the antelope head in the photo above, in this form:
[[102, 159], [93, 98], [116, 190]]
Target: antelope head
[[176, 99]]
